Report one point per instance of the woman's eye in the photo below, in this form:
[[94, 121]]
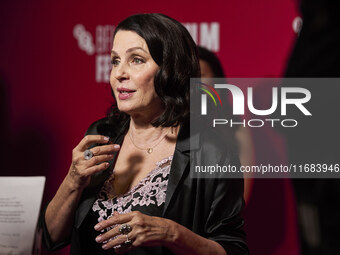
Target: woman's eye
[[138, 60], [114, 61]]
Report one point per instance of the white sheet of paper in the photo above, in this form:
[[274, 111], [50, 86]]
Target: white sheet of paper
[[20, 200]]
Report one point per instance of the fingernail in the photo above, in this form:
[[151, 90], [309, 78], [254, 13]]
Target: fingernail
[[116, 146], [98, 239], [104, 246], [106, 138], [97, 227]]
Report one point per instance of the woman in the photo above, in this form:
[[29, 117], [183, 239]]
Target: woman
[[113, 195]]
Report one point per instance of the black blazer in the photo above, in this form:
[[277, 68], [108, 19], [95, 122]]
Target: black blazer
[[209, 207]]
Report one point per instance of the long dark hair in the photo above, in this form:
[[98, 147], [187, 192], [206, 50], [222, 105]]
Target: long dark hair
[[173, 49]]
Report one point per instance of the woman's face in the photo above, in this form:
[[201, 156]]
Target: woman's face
[[132, 75]]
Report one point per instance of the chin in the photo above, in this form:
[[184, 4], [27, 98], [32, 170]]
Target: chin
[[126, 109]]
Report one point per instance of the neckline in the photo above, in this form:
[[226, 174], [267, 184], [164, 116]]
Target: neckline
[[135, 187]]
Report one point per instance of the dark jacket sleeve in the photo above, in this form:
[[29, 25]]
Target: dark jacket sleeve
[[46, 239], [98, 127], [225, 224]]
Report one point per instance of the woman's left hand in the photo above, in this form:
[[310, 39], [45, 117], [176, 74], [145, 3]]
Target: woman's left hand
[[145, 231]]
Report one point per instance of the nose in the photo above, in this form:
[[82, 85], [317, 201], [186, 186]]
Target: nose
[[120, 72]]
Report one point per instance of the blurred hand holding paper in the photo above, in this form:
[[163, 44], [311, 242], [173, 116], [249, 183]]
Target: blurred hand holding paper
[[20, 199]]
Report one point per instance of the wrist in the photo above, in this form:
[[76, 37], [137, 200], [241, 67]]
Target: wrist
[[173, 234], [73, 184]]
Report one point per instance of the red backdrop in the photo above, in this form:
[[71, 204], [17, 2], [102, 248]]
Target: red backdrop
[[50, 92]]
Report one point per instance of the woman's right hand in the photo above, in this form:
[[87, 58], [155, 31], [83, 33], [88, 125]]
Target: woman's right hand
[[81, 169]]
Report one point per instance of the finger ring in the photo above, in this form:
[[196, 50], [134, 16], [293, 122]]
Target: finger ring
[[88, 154], [128, 242], [125, 229]]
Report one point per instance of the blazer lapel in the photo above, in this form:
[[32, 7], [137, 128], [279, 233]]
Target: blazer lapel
[[178, 167], [180, 162]]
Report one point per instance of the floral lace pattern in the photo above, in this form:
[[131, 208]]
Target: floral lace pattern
[[151, 190]]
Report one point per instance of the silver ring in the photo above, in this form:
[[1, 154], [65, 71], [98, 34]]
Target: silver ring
[[88, 154], [124, 229]]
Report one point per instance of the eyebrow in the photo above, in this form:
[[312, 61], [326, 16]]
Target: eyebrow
[[129, 50]]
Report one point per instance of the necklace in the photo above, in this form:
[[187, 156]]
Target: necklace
[[149, 150]]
